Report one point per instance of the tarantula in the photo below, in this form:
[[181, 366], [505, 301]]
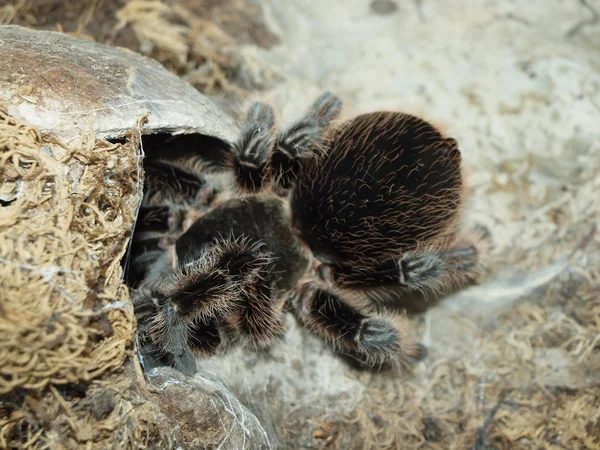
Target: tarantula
[[337, 223]]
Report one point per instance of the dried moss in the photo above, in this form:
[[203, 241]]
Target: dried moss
[[67, 326]]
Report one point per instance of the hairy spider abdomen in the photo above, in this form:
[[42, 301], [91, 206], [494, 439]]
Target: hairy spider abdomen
[[388, 182], [259, 219]]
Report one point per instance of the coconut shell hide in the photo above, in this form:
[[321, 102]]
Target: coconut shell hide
[[66, 86], [72, 114]]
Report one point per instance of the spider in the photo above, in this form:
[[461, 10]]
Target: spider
[[336, 222]]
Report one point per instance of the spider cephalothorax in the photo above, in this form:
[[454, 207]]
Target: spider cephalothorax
[[336, 223]]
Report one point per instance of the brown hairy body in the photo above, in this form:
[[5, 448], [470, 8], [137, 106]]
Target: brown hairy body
[[337, 223]]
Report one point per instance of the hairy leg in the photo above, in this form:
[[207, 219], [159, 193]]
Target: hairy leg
[[191, 309], [259, 322], [419, 270], [302, 140], [156, 228], [371, 339], [170, 193], [168, 183], [260, 154], [410, 280], [251, 152]]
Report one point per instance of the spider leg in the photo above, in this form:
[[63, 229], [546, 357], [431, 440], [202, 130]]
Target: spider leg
[[144, 253], [160, 219], [178, 342], [369, 338], [251, 152], [184, 311], [163, 338], [431, 271], [215, 280], [155, 229], [169, 190], [257, 318], [168, 183], [260, 321], [299, 142], [195, 151]]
